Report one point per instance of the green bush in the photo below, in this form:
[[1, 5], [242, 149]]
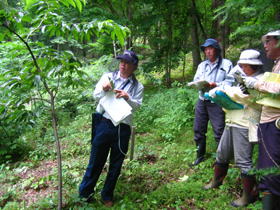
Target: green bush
[[12, 148], [166, 112]]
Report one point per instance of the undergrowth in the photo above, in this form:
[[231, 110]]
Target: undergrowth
[[159, 176]]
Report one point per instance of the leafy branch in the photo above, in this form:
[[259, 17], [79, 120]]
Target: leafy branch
[[53, 114]]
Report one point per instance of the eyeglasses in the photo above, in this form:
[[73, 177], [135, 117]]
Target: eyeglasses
[[268, 40]]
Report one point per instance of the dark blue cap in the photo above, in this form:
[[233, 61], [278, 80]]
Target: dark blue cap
[[210, 42], [129, 56]]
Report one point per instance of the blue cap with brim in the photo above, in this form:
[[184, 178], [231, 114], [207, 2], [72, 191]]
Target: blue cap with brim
[[210, 42], [129, 56]]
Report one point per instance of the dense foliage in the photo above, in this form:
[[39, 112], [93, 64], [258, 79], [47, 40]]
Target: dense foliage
[[52, 52], [34, 69], [158, 177], [178, 102]]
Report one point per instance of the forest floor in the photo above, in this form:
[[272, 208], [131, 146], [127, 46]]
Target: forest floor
[[158, 177]]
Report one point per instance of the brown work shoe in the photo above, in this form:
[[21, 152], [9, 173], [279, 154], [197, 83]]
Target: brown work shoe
[[108, 203]]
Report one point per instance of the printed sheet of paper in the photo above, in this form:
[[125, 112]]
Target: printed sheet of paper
[[117, 108]]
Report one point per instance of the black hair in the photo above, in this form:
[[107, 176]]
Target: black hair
[[256, 67]]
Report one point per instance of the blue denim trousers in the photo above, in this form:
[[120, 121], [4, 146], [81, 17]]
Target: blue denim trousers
[[107, 138]]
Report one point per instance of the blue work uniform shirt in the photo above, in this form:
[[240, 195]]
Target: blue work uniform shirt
[[214, 72]]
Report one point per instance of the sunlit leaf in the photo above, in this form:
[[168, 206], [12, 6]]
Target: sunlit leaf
[[29, 3], [79, 5], [119, 35], [71, 2]]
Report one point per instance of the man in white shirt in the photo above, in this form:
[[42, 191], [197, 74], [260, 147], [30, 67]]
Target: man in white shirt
[[106, 136], [214, 70]]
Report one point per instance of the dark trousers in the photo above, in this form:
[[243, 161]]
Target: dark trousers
[[205, 111], [269, 156], [106, 139]]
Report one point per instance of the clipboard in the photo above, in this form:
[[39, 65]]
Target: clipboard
[[117, 108]]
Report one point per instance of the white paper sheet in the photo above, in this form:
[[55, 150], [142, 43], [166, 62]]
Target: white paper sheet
[[117, 108]]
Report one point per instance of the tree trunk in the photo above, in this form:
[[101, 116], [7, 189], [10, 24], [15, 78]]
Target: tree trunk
[[184, 67], [169, 49], [220, 31], [129, 17], [58, 151], [168, 71], [277, 16], [215, 29], [194, 14], [54, 122], [195, 44]]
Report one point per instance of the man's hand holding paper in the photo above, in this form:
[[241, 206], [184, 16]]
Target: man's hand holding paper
[[121, 94], [107, 86], [117, 108], [212, 85], [118, 93]]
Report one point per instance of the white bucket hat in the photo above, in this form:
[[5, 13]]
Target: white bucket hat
[[251, 57], [271, 33]]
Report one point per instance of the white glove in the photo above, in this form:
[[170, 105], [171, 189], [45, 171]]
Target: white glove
[[212, 92], [250, 82]]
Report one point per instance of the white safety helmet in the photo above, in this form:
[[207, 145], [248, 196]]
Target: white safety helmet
[[251, 57]]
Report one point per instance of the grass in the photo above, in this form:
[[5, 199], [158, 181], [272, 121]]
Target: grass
[[159, 176]]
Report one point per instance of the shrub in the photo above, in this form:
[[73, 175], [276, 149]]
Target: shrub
[[166, 111]]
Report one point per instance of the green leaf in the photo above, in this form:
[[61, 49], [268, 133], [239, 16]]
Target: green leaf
[[66, 3], [2, 35], [29, 3], [71, 2], [113, 35], [119, 35], [79, 5]]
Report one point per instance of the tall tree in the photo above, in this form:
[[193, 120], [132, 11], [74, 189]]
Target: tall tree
[[249, 19], [220, 29], [195, 21]]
